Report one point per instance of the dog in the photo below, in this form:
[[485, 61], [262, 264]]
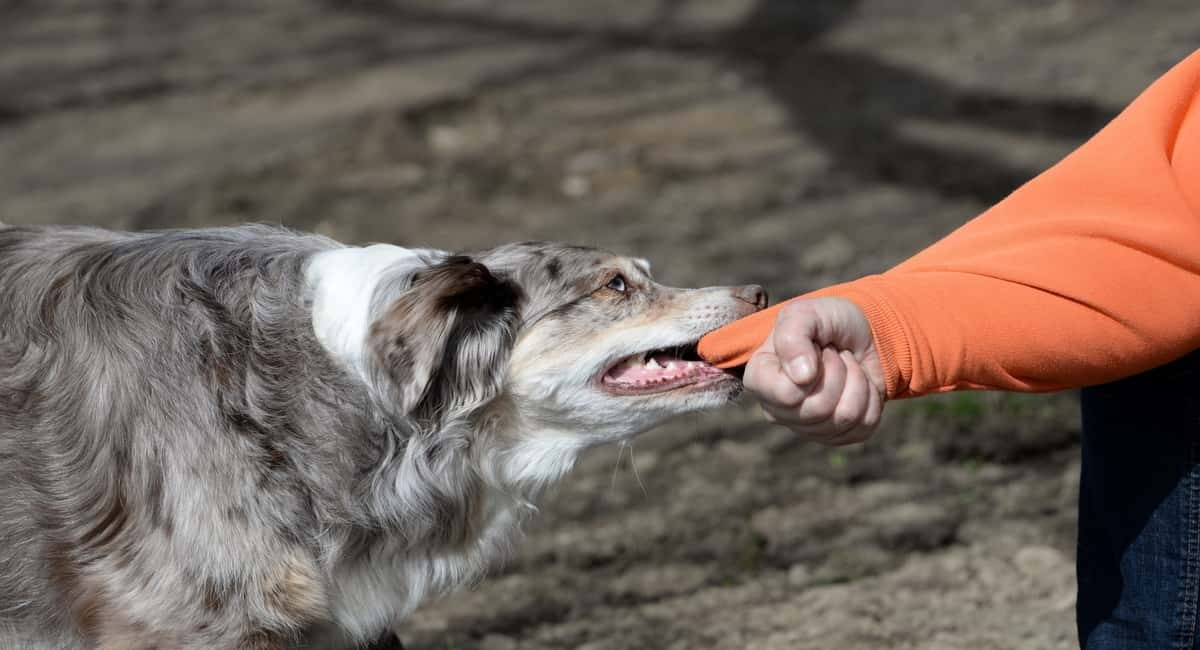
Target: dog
[[250, 437]]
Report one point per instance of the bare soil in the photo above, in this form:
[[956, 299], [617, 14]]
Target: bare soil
[[794, 144]]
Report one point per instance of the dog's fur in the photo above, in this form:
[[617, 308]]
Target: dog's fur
[[253, 438]]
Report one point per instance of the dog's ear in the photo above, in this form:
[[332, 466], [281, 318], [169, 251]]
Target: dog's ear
[[445, 341]]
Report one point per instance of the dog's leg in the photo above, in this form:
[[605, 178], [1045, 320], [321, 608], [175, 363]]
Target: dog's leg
[[328, 637], [389, 641]]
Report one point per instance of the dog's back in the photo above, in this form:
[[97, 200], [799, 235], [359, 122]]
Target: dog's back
[[127, 415], [29, 352]]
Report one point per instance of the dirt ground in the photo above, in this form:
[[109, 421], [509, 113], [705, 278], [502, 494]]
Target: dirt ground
[[793, 144]]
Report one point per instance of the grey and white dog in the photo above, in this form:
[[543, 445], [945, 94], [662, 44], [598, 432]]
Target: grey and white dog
[[253, 438]]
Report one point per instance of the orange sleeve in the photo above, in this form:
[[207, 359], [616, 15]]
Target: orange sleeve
[[1088, 273]]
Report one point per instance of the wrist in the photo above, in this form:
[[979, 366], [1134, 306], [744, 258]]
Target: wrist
[[890, 338]]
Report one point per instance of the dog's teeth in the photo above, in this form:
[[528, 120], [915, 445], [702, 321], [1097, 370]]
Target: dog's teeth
[[672, 365], [652, 363]]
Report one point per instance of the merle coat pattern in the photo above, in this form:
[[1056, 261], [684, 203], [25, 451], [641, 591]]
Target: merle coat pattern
[[209, 439]]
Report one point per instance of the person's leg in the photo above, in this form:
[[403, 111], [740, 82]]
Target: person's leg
[[1139, 511]]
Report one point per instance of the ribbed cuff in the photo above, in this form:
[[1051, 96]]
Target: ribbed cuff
[[891, 337]]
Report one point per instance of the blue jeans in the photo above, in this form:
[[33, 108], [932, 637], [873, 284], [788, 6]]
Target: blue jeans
[[1139, 511]]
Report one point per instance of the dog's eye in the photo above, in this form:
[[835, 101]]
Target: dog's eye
[[617, 283]]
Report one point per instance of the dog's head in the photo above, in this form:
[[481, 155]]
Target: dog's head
[[555, 337]]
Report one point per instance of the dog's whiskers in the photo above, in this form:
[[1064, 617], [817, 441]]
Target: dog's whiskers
[[633, 466], [612, 483], [621, 447]]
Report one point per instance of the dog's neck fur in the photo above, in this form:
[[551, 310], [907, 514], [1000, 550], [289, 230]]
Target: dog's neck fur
[[492, 484], [345, 283], [513, 460]]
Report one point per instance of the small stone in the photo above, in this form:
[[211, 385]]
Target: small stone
[[855, 562], [1039, 561], [915, 526], [576, 187], [445, 139], [799, 575], [590, 161]]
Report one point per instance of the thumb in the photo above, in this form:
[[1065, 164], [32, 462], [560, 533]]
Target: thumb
[[794, 340]]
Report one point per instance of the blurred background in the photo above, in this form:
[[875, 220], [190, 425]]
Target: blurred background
[[794, 143]]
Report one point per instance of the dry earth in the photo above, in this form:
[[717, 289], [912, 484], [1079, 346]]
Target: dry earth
[[789, 143]]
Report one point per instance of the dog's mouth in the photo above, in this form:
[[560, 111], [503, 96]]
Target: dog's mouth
[[661, 370]]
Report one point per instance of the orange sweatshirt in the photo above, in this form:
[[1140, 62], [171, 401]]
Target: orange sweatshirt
[[1088, 273]]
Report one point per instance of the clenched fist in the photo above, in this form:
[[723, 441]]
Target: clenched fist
[[819, 373]]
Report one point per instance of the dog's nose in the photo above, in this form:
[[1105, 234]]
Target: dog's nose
[[753, 294]]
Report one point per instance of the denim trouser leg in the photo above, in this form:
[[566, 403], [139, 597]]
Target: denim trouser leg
[[1139, 511]]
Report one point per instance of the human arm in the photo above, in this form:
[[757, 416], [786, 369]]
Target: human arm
[[1088, 273]]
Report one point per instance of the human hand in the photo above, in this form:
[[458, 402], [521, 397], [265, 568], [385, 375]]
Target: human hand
[[819, 373]]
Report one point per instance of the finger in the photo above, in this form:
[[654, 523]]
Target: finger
[[811, 418], [874, 409], [792, 340], [766, 380], [821, 403], [856, 396], [866, 424]]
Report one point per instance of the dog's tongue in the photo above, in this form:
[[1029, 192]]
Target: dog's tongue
[[659, 367]]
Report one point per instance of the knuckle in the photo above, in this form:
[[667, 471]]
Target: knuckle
[[796, 309], [849, 414], [790, 344], [845, 422]]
